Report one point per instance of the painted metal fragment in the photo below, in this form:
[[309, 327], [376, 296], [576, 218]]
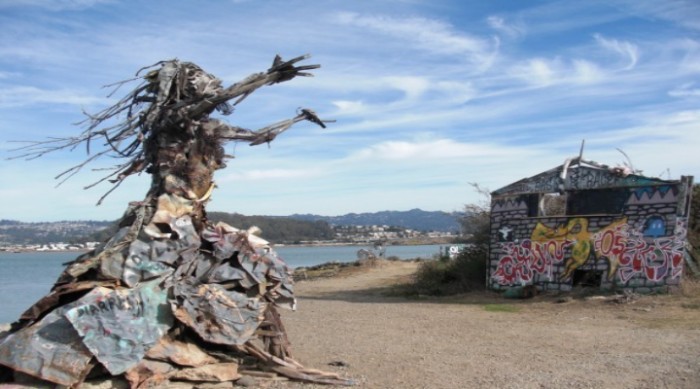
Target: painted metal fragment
[[50, 349], [119, 326], [138, 266], [216, 314]]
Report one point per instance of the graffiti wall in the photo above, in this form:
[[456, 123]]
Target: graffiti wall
[[639, 246]]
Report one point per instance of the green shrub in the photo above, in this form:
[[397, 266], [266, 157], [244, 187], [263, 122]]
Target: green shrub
[[444, 276]]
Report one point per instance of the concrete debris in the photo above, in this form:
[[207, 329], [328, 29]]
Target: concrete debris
[[170, 296]]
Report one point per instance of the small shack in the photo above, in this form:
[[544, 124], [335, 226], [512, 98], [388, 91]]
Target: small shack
[[587, 224]]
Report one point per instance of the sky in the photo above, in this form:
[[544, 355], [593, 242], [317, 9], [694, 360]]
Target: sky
[[429, 96]]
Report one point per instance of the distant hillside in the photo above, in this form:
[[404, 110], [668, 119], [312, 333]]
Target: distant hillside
[[16, 232], [414, 219], [279, 229], [276, 229]]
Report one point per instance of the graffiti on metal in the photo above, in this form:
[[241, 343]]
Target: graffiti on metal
[[51, 349], [119, 326]]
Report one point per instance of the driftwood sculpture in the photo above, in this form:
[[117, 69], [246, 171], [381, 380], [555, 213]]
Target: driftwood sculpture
[[171, 296]]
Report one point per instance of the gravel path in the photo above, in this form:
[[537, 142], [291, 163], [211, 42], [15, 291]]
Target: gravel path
[[481, 340]]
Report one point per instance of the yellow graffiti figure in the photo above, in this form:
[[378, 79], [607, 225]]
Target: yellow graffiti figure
[[606, 242], [574, 232]]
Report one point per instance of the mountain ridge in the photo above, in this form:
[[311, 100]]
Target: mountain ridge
[[415, 219]]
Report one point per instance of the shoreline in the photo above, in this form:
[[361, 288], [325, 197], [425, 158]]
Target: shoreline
[[412, 242]]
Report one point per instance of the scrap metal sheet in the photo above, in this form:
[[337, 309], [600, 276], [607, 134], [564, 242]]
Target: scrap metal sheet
[[50, 349], [119, 326], [216, 314], [138, 266]]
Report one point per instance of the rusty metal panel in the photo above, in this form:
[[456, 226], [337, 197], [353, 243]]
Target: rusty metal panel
[[119, 326], [216, 314], [50, 349], [148, 373]]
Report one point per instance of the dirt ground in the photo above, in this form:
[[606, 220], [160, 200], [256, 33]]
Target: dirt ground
[[350, 325], [481, 340]]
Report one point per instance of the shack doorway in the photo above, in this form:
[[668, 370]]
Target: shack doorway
[[587, 278]]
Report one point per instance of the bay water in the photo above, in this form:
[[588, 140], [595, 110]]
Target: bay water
[[26, 277]]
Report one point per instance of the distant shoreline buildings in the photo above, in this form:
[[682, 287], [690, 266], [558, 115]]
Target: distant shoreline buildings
[[344, 235]]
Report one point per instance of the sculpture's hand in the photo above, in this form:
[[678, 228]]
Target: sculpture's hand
[[312, 117], [286, 70]]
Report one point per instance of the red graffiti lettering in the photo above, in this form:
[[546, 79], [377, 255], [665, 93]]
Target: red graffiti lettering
[[522, 261]]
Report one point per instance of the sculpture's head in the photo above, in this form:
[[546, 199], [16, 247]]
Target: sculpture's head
[[182, 83]]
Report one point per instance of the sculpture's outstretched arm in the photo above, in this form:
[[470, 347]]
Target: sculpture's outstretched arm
[[280, 71], [269, 133]]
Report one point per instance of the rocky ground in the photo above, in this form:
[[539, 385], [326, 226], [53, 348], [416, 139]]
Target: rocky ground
[[349, 324]]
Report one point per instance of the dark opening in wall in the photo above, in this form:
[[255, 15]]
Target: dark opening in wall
[[587, 278], [532, 200], [598, 201]]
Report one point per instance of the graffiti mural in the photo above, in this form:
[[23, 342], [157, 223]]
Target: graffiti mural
[[656, 259], [522, 260], [627, 251]]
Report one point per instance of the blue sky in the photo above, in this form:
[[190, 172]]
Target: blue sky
[[429, 96]]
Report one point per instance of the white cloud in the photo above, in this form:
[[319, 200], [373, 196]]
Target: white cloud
[[685, 90], [28, 95], [624, 48], [7, 75], [543, 72], [499, 24], [586, 72], [684, 12], [538, 71], [427, 34], [349, 107], [419, 151], [413, 87], [270, 174]]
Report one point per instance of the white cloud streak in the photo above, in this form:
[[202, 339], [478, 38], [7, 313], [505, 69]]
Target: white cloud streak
[[429, 35], [19, 96], [625, 49], [510, 30]]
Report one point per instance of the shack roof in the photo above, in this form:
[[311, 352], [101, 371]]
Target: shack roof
[[579, 174]]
